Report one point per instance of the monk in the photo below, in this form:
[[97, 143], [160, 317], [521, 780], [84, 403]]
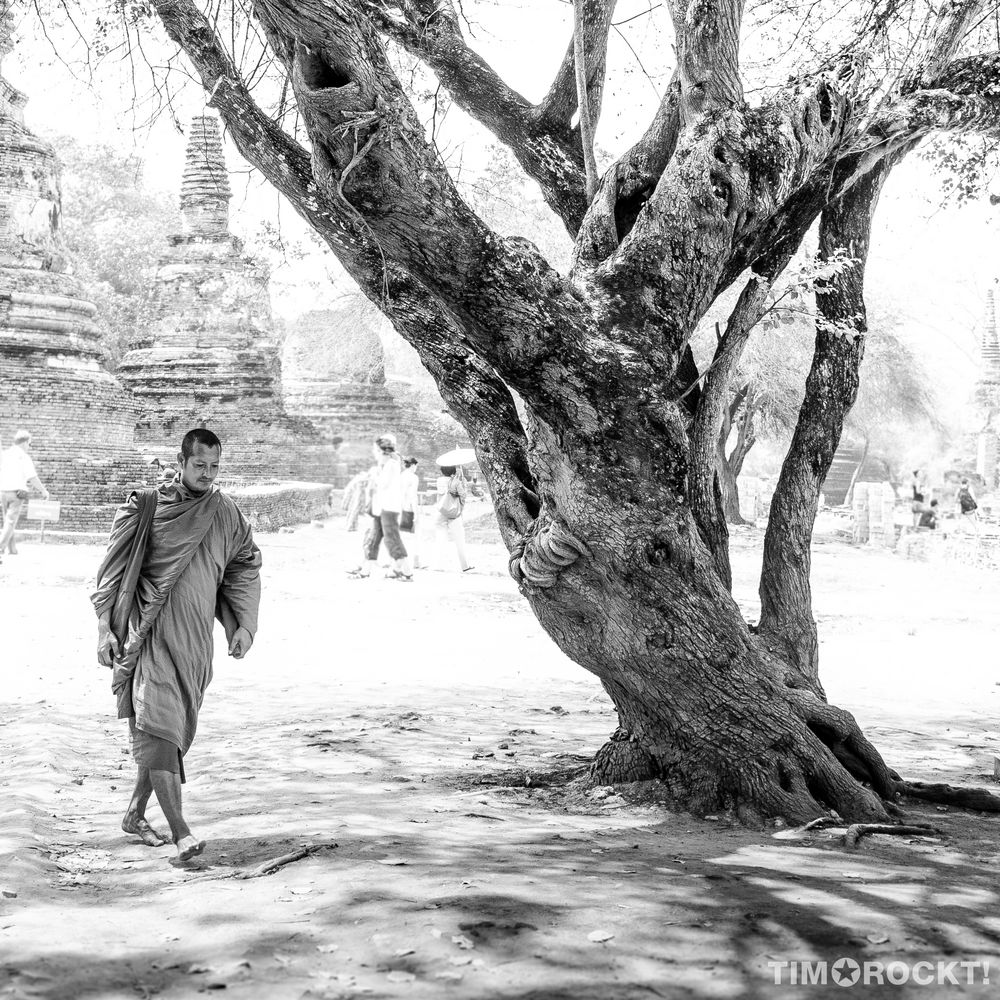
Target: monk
[[178, 557]]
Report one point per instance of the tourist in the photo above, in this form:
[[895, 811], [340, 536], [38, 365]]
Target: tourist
[[355, 498], [409, 516], [452, 492], [17, 476], [967, 505], [386, 504], [929, 518], [155, 632], [917, 507]]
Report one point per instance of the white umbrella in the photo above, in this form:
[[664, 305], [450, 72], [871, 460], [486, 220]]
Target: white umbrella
[[457, 456]]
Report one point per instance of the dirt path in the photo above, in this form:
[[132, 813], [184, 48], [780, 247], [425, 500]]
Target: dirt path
[[420, 738]]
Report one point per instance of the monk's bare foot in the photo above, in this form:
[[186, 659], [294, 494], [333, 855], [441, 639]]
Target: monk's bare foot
[[138, 826], [188, 847]]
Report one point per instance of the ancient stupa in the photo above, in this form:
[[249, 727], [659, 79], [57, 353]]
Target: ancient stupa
[[334, 373], [988, 396], [51, 383], [212, 356]]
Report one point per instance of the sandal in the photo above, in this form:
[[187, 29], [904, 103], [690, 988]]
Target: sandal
[[358, 574], [397, 575]]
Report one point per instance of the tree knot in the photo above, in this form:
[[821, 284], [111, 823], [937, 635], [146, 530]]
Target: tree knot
[[543, 553]]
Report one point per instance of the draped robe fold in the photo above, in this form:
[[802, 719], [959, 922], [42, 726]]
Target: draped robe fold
[[200, 562]]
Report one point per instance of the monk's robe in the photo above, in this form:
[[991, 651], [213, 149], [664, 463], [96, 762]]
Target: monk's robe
[[200, 560]]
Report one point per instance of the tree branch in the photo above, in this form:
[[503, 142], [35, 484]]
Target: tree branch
[[950, 23], [561, 102], [738, 170], [786, 622], [587, 123], [545, 145]]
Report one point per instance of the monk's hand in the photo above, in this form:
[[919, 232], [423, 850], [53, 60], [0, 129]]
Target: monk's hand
[[108, 647], [240, 643]]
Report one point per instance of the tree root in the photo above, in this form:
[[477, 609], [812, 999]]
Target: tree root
[[978, 799], [858, 830]]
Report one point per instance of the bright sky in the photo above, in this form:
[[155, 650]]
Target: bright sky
[[931, 265]]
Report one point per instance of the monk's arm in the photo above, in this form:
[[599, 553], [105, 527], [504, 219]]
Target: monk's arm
[[112, 568], [239, 593]]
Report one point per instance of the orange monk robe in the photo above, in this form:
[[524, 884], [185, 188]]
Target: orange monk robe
[[166, 662]]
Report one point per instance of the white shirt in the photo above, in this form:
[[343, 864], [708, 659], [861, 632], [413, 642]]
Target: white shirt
[[388, 494], [16, 468], [410, 485]]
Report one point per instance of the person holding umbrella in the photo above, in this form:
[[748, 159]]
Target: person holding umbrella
[[452, 492]]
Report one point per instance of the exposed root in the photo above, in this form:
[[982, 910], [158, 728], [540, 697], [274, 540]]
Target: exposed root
[[979, 799], [839, 732], [859, 830], [820, 823]]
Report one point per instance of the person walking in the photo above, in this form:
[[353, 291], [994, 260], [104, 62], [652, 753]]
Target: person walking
[[409, 517], [355, 494], [17, 476], [386, 504], [178, 556], [967, 505], [452, 492]]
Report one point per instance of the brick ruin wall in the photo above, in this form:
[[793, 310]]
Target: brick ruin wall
[[268, 508]]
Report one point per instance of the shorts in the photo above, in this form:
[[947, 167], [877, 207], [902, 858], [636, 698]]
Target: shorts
[[155, 753]]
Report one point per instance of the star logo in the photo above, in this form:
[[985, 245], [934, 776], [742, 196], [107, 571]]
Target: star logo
[[846, 972]]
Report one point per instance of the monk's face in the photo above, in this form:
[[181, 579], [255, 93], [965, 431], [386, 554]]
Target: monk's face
[[199, 471]]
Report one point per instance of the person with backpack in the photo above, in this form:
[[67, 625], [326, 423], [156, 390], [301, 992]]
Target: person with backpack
[[967, 505], [452, 493]]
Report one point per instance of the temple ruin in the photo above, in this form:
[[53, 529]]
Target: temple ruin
[[334, 372], [211, 356], [51, 382]]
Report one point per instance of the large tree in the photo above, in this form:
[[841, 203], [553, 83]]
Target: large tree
[[606, 491]]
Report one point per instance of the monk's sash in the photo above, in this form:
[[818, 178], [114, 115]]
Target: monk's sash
[[178, 526]]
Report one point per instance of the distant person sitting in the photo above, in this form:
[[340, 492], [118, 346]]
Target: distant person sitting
[[929, 518], [17, 475]]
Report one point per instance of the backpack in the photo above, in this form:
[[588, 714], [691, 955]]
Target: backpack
[[965, 501]]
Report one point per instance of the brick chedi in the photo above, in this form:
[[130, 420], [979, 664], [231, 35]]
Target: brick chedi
[[51, 383], [333, 368], [211, 357]]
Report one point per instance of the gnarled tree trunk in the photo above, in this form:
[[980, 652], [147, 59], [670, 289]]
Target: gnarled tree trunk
[[608, 495]]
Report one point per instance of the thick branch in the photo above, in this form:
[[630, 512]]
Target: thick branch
[[950, 23], [384, 187], [724, 184], [544, 144], [786, 622], [708, 51], [473, 391]]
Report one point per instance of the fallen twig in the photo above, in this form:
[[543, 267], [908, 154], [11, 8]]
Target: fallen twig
[[269, 867], [859, 830]]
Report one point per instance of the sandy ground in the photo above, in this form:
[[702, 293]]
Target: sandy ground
[[425, 739]]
